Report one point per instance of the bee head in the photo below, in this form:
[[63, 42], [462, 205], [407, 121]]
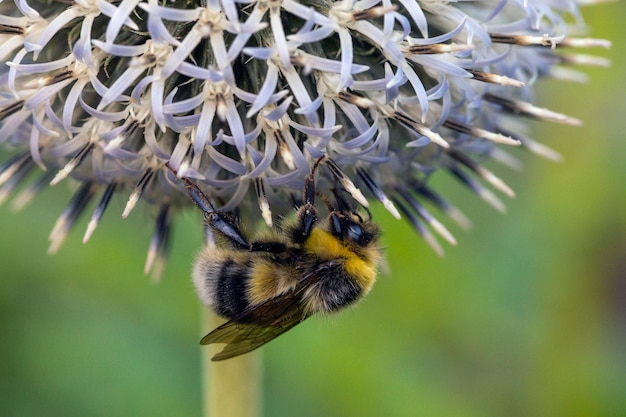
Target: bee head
[[344, 228], [346, 224]]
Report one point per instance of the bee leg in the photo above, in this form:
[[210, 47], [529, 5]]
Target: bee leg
[[219, 222], [224, 226], [307, 214], [308, 194]]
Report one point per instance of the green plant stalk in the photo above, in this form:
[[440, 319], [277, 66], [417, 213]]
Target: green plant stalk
[[231, 388]]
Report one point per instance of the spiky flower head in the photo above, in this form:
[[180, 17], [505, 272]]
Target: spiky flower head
[[242, 96]]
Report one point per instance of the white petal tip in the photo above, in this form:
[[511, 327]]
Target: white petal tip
[[493, 201], [388, 204], [60, 176], [443, 232], [152, 254], [267, 217], [435, 246], [130, 205], [359, 197], [55, 244], [436, 138], [91, 227]]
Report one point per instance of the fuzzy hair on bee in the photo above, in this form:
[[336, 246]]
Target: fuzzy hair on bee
[[304, 266]]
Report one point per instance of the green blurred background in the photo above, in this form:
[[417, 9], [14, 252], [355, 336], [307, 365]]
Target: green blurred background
[[526, 317]]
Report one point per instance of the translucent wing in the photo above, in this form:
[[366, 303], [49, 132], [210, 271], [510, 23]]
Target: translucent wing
[[242, 338], [260, 324]]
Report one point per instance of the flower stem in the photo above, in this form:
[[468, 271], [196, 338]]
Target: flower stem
[[232, 388]]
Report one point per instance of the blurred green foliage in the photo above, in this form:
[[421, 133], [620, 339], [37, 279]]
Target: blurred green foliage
[[526, 317]]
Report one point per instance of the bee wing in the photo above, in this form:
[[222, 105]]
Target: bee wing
[[260, 324], [243, 338]]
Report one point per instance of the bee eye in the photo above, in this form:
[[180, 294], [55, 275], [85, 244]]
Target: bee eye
[[355, 233], [349, 230]]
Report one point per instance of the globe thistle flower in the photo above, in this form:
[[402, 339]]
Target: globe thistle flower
[[241, 96]]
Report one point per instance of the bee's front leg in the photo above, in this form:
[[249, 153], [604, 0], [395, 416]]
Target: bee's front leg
[[307, 214], [219, 222], [226, 227]]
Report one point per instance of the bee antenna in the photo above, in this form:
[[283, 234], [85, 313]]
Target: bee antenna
[[343, 205], [326, 201], [294, 201], [369, 214]]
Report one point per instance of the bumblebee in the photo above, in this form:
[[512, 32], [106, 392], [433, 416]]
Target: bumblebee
[[266, 286]]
